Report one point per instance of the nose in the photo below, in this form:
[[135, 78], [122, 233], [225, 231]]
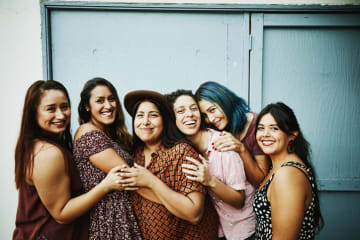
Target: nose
[[107, 104], [146, 120], [59, 114], [211, 118], [188, 113], [266, 132]]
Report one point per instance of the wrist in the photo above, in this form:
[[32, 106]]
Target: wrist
[[242, 150], [152, 182], [212, 182], [104, 187]]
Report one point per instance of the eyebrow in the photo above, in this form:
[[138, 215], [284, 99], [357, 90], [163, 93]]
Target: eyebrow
[[154, 111], [50, 105], [272, 125], [102, 96]]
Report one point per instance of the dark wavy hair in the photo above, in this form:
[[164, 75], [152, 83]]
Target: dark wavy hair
[[170, 134], [234, 107], [117, 130], [30, 131], [173, 96], [287, 122]]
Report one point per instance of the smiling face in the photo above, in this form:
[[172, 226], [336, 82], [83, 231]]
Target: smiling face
[[271, 139], [148, 123], [53, 113], [187, 113], [214, 115], [102, 105]]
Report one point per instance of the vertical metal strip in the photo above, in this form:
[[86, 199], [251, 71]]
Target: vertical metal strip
[[46, 41], [256, 61]]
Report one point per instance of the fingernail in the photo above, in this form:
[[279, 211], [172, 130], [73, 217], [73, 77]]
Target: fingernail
[[212, 143]]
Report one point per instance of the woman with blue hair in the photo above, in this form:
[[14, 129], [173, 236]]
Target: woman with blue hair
[[229, 113]]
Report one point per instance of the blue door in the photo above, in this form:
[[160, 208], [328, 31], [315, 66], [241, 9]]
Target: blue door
[[312, 63]]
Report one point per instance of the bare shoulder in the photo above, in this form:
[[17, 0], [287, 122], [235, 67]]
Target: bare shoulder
[[46, 152], [48, 161], [290, 178], [84, 128]]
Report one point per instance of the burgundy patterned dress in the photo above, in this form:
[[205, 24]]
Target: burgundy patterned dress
[[113, 217]]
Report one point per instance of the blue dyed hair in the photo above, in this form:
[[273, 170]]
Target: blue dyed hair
[[234, 107]]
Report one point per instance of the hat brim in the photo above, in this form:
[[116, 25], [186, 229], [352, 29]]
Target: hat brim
[[134, 97]]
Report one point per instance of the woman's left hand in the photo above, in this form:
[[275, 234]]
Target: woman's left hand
[[227, 142], [198, 171], [137, 176]]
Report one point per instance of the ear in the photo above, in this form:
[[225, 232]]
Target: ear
[[295, 133], [87, 108]]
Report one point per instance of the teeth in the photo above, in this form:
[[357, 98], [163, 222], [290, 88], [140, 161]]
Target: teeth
[[190, 122], [267, 142], [106, 113]]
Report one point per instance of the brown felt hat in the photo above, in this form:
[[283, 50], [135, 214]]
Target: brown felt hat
[[131, 98]]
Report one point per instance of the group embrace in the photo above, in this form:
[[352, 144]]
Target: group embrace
[[196, 166]]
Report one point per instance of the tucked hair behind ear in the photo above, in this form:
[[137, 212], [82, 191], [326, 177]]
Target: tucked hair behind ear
[[287, 122], [234, 107]]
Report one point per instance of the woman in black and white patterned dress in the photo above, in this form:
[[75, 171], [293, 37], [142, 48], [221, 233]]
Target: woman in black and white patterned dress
[[287, 202]]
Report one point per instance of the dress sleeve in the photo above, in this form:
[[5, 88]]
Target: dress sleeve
[[186, 185], [93, 142]]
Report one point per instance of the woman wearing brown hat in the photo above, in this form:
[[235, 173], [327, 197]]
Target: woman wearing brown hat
[[183, 211]]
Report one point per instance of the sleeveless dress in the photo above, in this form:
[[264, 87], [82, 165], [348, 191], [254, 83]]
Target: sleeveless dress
[[262, 209], [33, 221], [113, 217]]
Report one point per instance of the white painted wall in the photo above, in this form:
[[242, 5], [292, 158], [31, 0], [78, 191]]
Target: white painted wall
[[21, 64]]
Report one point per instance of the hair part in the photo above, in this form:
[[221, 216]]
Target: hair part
[[30, 131], [117, 130], [233, 106], [287, 122]]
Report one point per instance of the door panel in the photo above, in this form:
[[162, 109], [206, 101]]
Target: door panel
[[162, 51], [312, 63]]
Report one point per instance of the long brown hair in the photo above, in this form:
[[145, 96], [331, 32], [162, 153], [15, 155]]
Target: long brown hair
[[288, 123], [117, 130], [30, 131]]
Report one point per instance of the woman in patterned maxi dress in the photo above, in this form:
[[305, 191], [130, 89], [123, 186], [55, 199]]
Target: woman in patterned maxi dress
[[101, 142]]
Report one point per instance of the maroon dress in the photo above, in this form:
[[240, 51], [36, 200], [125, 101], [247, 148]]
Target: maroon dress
[[250, 139], [113, 217], [33, 221]]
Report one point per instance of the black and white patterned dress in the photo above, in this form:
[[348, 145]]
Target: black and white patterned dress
[[262, 209]]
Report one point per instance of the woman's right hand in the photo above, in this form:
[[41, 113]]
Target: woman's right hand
[[112, 181], [198, 171], [227, 142]]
